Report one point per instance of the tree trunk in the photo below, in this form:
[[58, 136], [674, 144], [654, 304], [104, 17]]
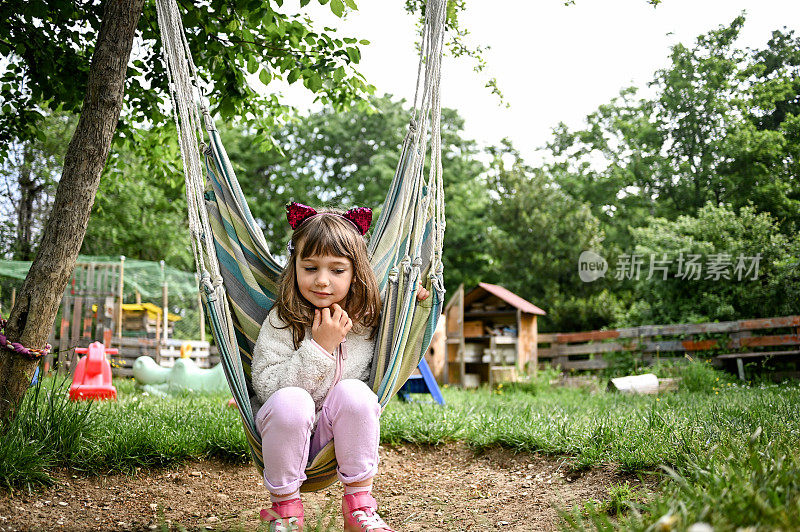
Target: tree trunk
[[37, 303]]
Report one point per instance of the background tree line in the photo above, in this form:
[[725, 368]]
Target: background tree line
[[708, 165]]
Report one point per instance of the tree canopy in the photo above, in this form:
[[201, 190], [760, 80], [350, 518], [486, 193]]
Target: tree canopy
[[722, 127], [47, 46]]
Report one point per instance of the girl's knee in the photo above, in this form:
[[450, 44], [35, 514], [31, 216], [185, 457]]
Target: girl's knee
[[355, 396], [288, 408]]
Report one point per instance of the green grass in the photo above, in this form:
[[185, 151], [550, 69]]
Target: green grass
[[139, 430], [726, 452], [49, 431], [133, 432]]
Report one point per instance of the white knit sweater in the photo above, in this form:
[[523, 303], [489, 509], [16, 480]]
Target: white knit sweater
[[277, 364]]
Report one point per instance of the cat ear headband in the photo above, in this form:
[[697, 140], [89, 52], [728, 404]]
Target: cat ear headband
[[360, 217]]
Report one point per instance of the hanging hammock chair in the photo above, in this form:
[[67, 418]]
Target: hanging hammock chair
[[239, 274]]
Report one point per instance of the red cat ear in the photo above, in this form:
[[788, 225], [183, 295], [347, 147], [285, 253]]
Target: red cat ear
[[297, 213], [361, 217]]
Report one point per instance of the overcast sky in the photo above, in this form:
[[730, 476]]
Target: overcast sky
[[553, 62]]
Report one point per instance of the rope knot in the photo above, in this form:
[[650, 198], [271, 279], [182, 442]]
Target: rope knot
[[32, 354]]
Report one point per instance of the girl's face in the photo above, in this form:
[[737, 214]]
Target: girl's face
[[324, 279]]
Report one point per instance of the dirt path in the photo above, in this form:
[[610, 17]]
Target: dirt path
[[441, 488]]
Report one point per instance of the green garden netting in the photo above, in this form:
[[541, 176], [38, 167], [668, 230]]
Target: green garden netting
[[142, 276]]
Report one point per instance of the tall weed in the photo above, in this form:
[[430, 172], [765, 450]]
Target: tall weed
[[49, 429]]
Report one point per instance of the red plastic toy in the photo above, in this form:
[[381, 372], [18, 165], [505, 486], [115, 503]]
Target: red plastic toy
[[92, 378]]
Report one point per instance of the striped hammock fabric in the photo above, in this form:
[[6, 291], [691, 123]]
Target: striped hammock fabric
[[239, 274], [250, 273]]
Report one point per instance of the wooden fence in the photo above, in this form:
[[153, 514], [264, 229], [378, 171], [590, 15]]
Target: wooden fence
[[91, 311], [730, 341], [164, 352], [91, 285]]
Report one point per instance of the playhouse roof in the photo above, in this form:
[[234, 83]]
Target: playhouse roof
[[506, 295]]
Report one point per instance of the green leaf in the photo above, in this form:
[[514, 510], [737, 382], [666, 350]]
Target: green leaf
[[252, 65], [353, 54], [264, 76], [304, 3], [337, 6], [293, 76], [338, 74], [351, 4], [313, 82]]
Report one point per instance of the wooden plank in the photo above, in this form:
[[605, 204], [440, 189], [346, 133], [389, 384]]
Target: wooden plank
[[700, 345], [761, 354], [489, 313], [546, 338], [107, 319], [108, 280], [719, 327], [560, 361], [658, 346], [63, 333], [194, 343], [770, 323], [781, 339], [126, 341], [688, 328], [88, 318], [75, 329], [548, 352], [100, 273], [708, 345], [80, 280], [587, 349], [564, 338]]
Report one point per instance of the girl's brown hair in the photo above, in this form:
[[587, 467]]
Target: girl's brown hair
[[329, 235]]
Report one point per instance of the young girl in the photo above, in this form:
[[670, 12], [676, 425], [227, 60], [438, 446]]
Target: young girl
[[311, 363]]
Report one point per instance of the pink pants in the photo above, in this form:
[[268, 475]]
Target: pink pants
[[350, 415]]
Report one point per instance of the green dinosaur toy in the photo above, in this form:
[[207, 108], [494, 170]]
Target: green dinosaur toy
[[183, 377]]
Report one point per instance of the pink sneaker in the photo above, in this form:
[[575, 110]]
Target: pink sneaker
[[286, 516], [360, 515]]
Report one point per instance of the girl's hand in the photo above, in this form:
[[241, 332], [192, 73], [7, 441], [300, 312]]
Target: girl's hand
[[331, 325], [422, 293]]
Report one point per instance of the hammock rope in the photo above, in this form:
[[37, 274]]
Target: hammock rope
[[239, 274]]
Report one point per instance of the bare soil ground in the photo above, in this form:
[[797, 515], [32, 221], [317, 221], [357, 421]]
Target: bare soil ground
[[418, 488]]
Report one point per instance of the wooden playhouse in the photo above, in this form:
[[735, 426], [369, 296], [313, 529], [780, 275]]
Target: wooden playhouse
[[491, 336]]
